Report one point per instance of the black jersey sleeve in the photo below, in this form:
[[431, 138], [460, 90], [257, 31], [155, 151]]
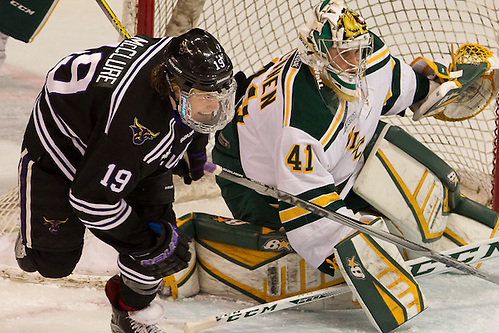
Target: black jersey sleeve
[[110, 133]]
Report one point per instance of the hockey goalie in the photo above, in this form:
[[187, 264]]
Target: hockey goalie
[[309, 123]]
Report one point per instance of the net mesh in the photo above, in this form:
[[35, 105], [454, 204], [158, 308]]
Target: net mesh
[[255, 32]]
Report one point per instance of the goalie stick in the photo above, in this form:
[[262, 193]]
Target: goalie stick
[[352, 223], [420, 267]]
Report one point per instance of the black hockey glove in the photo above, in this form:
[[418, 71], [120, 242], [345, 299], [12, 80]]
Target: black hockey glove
[[192, 168], [182, 170], [196, 164], [170, 255]]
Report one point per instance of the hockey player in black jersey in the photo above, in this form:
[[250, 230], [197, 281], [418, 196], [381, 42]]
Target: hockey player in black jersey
[[106, 131]]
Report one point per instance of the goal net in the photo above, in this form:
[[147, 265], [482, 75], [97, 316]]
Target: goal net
[[253, 32]]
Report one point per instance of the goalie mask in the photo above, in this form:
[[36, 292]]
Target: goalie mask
[[203, 72], [336, 44]]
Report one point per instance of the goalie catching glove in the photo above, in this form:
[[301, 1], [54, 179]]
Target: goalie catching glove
[[461, 90], [169, 255]]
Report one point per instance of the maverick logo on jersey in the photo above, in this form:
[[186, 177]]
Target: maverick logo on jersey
[[54, 225], [121, 58], [141, 133]]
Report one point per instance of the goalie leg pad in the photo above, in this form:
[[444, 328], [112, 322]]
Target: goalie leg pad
[[184, 283], [469, 223], [379, 279], [419, 194], [409, 193]]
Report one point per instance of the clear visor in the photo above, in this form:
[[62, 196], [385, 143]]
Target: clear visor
[[347, 59], [207, 111]]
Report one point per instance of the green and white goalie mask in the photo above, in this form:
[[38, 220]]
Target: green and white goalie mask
[[336, 44], [208, 111]]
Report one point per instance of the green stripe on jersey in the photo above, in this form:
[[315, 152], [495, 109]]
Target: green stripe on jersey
[[395, 87], [310, 196], [378, 45], [309, 113]]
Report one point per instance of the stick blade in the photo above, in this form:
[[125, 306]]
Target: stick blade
[[196, 326]]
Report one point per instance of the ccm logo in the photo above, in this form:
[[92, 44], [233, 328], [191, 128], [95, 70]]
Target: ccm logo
[[22, 8]]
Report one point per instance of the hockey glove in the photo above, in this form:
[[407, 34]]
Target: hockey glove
[[170, 255], [192, 167], [462, 89], [182, 170]]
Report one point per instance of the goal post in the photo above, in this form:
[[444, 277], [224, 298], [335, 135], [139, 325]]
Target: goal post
[[253, 32], [160, 18]]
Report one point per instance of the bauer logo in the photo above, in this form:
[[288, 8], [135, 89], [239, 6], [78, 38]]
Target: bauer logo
[[355, 269]]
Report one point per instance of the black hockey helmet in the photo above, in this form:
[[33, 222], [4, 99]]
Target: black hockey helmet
[[197, 60], [203, 72]]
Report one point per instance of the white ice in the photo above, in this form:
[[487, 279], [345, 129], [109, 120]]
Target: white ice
[[457, 303]]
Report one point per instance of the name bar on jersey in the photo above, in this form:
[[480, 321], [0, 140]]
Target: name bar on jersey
[[124, 54]]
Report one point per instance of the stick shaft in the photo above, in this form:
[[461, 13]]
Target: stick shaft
[[352, 223], [257, 310], [420, 267], [113, 18]]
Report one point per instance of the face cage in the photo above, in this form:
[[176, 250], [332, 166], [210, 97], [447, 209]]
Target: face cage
[[215, 121], [347, 59]]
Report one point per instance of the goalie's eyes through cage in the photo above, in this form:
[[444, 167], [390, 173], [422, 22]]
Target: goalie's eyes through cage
[[347, 58]]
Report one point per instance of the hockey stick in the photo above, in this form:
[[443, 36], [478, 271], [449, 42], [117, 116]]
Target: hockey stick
[[419, 267], [352, 223], [113, 18], [282, 304]]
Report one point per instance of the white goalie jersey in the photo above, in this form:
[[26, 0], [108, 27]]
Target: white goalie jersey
[[295, 134]]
